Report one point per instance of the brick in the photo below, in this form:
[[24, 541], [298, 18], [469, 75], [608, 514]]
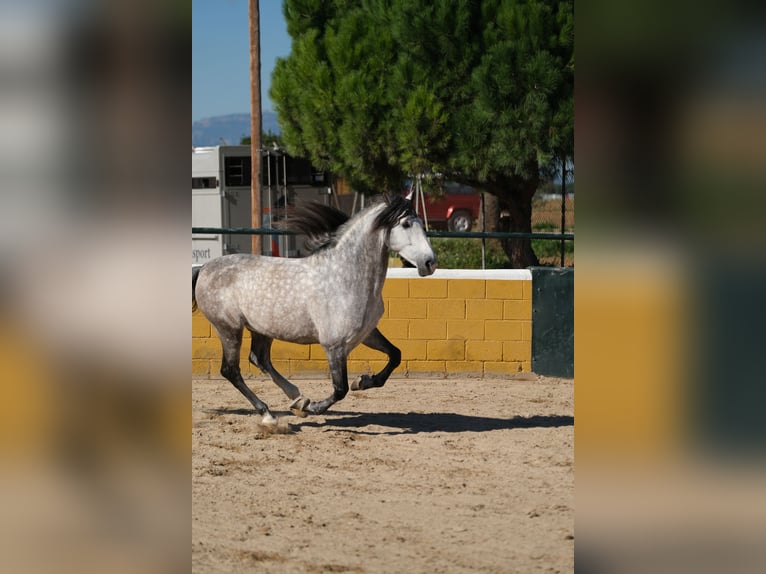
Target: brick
[[517, 350], [282, 366], [411, 349], [526, 330], [504, 289], [445, 350], [465, 367], [200, 326], [206, 349], [316, 352], [377, 366], [428, 329], [502, 330], [526, 290], [519, 310], [354, 366], [200, 367], [483, 309], [484, 350], [428, 288], [246, 368], [465, 288], [396, 289], [426, 366], [284, 350], [244, 350], [394, 328], [446, 309], [465, 329], [502, 367], [407, 309], [309, 366], [362, 353]]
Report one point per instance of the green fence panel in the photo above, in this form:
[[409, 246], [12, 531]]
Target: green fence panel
[[553, 321]]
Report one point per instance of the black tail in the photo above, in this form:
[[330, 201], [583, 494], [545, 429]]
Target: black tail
[[195, 274]]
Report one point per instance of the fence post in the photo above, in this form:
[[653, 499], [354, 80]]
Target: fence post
[[563, 205]]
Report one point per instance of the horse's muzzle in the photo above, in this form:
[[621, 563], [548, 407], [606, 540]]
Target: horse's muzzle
[[428, 268]]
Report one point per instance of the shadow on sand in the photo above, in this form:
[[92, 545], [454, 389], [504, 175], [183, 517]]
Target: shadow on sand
[[413, 423]]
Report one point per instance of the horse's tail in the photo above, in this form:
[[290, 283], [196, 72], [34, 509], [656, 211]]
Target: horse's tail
[[195, 274]]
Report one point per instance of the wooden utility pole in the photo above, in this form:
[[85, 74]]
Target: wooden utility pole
[[255, 121]]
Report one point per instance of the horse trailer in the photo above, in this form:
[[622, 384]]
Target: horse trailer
[[221, 198]]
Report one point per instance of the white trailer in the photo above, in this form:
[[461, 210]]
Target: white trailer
[[221, 198]]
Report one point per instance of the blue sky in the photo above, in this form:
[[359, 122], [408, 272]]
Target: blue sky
[[221, 55]]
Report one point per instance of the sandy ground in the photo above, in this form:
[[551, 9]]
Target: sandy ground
[[423, 475]]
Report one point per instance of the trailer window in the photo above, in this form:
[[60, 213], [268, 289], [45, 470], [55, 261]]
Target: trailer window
[[237, 171], [204, 182]]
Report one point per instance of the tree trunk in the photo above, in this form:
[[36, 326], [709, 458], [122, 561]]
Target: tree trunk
[[515, 204], [491, 213], [491, 221]]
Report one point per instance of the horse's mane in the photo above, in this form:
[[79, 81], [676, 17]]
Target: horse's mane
[[324, 225], [319, 222], [397, 208]]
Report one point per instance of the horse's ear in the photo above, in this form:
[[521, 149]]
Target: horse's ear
[[387, 198]]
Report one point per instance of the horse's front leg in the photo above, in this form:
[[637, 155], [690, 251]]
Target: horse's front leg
[[377, 341], [336, 356]]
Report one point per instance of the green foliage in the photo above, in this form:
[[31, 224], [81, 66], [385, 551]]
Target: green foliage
[[547, 248], [481, 92], [465, 253], [379, 89]]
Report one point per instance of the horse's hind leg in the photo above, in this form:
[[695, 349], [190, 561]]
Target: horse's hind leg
[[377, 341], [337, 358], [231, 341], [260, 356]]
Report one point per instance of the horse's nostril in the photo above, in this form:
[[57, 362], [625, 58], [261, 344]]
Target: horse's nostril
[[430, 264]]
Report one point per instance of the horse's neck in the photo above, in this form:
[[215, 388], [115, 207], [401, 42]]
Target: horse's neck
[[366, 250]]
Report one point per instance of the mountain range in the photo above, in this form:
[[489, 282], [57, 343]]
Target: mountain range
[[229, 129]]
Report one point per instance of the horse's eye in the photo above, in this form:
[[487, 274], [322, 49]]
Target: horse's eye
[[406, 224]]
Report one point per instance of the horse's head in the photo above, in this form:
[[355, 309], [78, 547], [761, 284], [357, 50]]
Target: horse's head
[[408, 238]]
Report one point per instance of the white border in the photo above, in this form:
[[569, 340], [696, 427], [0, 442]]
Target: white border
[[411, 273]]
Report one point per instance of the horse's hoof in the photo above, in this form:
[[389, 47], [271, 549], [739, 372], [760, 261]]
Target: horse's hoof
[[268, 420], [299, 405], [362, 384]]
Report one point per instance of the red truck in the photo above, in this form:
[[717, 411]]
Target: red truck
[[455, 210]]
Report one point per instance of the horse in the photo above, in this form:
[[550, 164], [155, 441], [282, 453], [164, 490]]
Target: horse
[[331, 297]]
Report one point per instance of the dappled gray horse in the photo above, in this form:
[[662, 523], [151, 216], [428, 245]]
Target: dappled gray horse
[[332, 297]]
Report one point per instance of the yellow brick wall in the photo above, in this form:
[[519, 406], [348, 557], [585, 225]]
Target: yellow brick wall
[[475, 326]]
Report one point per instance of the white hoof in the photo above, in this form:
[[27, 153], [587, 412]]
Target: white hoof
[[268, 420]]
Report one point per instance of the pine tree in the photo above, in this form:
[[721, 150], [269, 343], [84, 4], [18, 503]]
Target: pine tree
[[480, 91]]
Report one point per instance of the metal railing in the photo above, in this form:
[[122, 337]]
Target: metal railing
[[561, 237], [431, 233]]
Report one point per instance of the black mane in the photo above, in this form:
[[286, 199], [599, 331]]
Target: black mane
[[322, 223], [318, 221], [397, 208]]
